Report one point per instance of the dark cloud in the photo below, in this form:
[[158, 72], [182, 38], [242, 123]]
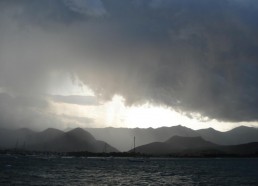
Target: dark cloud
[[193, 56]]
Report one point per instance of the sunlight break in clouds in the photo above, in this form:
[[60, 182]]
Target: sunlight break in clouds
[[115, 113]]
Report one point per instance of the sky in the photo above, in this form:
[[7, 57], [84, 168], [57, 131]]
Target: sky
[[128, 63]]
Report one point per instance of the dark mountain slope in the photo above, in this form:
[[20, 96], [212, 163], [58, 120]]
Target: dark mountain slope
[[176, 144], [74, 140], [235, 136], [196, 146], [52, 140]]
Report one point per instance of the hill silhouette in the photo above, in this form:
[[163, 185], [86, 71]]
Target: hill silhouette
[[196, 146], [119, 138], [122, 138], [238, 135], [53, 140], [176, 144]]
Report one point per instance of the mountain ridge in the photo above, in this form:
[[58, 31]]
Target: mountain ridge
[[53, 140], [122, 138], [196, 146], [149, 135]]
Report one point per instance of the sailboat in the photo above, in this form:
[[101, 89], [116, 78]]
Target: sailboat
[[134, 158]]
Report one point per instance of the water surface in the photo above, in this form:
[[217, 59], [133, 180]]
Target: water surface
[[38, 170]]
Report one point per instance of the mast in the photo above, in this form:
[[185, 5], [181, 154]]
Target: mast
[[105, 148], [134, 144]]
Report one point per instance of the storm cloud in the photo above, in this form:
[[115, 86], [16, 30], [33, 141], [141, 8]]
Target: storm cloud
[[192, 56]]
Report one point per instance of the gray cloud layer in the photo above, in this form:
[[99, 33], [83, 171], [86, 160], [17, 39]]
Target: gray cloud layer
[[194, 56], [21, 111]]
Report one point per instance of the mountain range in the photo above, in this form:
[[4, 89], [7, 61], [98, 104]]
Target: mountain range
[[52, 140], [196, 146], [122, 138]]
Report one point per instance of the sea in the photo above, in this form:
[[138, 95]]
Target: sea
[[51, 170]]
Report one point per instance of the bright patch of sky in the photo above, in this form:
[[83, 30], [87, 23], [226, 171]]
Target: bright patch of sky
[[65, 84]]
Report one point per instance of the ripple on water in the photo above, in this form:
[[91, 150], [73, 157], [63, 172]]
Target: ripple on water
[[79, 171]]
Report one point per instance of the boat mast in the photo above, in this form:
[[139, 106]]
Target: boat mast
[[134, 144], [105, 148]]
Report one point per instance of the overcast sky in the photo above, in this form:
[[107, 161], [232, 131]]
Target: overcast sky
[[99, 63]]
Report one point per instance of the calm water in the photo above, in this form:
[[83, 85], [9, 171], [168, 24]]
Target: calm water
[[91, 171]]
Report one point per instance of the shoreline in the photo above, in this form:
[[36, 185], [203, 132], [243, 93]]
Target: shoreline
[[120, 154]]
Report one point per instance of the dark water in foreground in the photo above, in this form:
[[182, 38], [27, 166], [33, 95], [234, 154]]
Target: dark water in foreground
[[92, 171]]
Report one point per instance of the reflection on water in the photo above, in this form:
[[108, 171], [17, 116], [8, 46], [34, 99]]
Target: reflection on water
[[119, 171]]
